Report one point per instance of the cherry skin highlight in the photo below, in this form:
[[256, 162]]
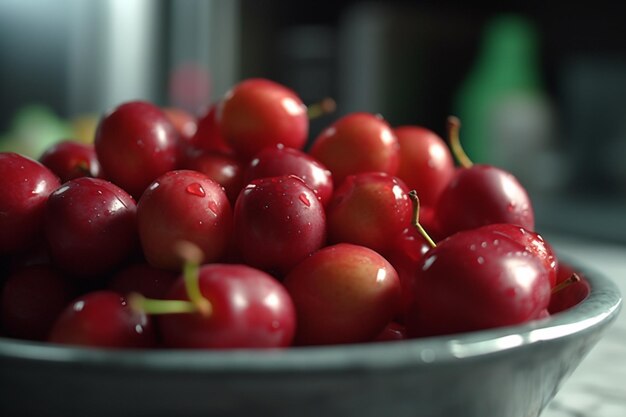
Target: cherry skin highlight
[[71, 159], [26, 185]]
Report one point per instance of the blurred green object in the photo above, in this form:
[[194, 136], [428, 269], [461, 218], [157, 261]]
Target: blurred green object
[[507, 63], [34, 128]]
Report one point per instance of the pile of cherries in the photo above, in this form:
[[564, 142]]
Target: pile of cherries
[[223, 231]]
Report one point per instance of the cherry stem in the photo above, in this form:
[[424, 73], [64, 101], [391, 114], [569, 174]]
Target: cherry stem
[[454, 126], [151, 306], [193, 256], [416, 218], [321, 108], [560, 287]]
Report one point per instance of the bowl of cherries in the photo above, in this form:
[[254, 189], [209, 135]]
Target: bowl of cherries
[[226, 265]]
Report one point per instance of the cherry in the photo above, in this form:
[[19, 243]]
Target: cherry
[[135, 143], [90, 226], [26, 185], [144, 279], [183, 205], [357, 143], [103, 319], [426, 163], [71, 159], [473, 280], [481, 194], [32, 298], [184, 122], [343, 293], [258, 113], [533, 242], [221, 168], [223, 306], [278, 222], [392, 332], [208, 136], [369, 209], [280, 160]]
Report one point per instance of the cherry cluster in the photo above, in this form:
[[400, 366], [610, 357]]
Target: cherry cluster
[[223, 231]]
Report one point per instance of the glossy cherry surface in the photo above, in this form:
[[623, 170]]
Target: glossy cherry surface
[[26, 185], [208, 136], [222, 168], [258, 113], [343, 294], [356, 143], [482, 195], [32, 298], [90, 226], [71, 159], [249, 309], [183, 205], [103, 319], [370, 209], [135, 143], [280, 160], [426, 163], [473, 280], [278, 222]]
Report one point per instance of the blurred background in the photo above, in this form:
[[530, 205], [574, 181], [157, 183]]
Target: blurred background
[[540, 89]]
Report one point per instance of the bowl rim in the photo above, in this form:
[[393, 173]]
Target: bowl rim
[[599, 308]]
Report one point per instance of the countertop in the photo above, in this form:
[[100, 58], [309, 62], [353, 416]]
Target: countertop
[[597, 388]]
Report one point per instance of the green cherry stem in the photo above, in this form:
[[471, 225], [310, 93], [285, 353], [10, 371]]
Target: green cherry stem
[[416, 218], [321, 108], [454, 126], [192, 256]]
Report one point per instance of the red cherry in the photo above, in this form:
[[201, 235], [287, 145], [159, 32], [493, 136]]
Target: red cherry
[[183, 205], [26, 185], [90, 226], [343, 294], [144, 279], [135, 143], [370, 209], [221, 168], [208, 136], [258, 113], [32, 298], [280, 160], [426, 163], [103, 319], [71, 159], [394, 331], [278, 222], [474, 280], [248, 309], [357, 143], [184, 122], [478, 195]]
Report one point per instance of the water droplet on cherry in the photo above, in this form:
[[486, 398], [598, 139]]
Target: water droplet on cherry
[[305, 200], [195, 189]]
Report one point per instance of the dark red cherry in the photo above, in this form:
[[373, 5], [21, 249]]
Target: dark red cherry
[[32, 298], [222, 168], [248, 309], [90, 226], [278, 222], [144, 279], [103, 319], [136, 143], [474, 280], [71, 159], [208, 136], [569, 295], [183, 205], [26, 185], [394, 331], [281, 160]]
